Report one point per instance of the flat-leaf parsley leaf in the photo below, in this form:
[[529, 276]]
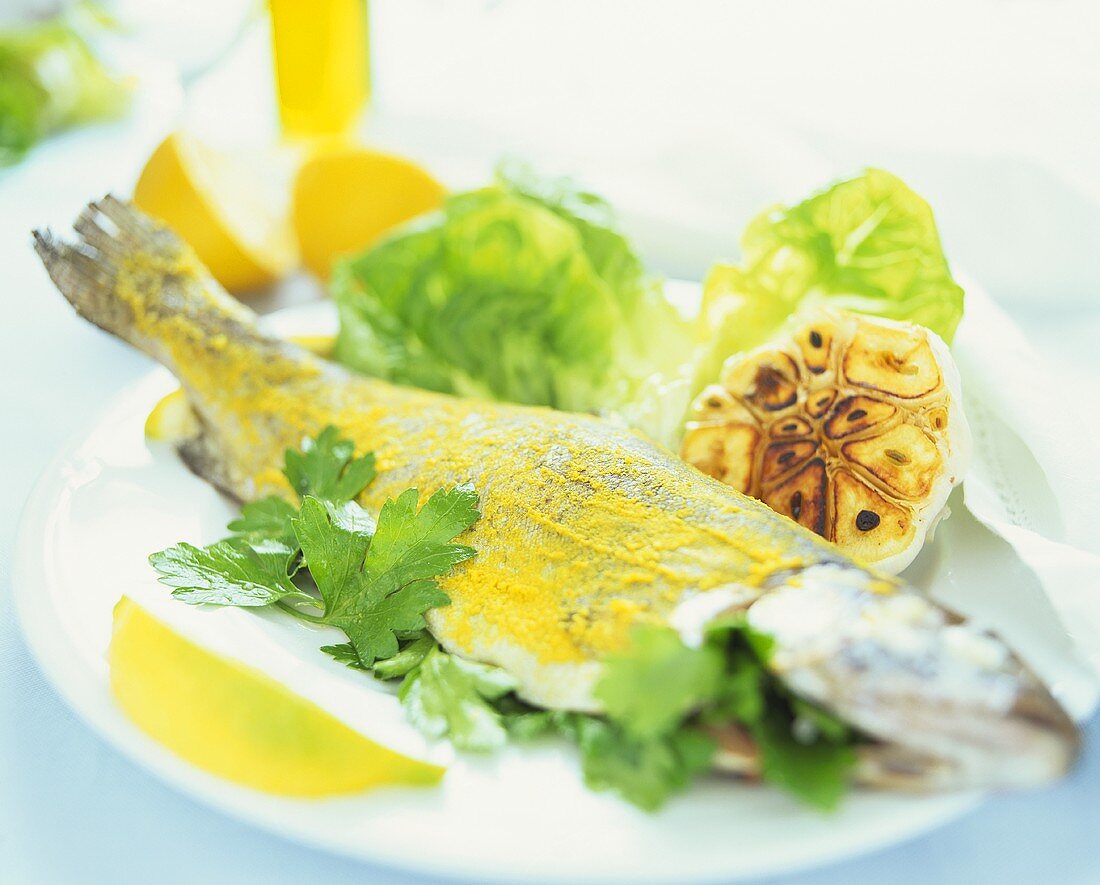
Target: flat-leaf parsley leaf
[[325, 468], [376, 588], [229, 572]]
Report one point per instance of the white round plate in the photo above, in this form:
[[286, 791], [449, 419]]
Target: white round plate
[[110, 498]]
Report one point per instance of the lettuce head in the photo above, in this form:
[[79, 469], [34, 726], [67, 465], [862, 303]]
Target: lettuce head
[[867, 244], [521, 291]]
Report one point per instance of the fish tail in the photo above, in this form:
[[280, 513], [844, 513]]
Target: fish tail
[[136, 279]]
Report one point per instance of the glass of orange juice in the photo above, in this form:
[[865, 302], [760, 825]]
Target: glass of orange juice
[[322, 64]]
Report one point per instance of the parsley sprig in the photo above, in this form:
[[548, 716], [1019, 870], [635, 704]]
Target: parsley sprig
[[327, 560]]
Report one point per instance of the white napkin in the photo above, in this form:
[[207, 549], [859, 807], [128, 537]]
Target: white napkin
[[1034, 481]]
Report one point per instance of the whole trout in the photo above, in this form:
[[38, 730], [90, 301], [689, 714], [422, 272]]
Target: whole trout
[[587, 530]]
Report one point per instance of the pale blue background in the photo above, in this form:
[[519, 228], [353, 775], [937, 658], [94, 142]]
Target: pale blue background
[[1002, 154]]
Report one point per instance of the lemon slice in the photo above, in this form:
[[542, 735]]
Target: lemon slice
[[235, 722], [232, 210], [851, 426], [321, 345], [346, 197]]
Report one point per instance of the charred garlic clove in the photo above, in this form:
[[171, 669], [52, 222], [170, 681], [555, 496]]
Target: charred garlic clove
[[850, 425]]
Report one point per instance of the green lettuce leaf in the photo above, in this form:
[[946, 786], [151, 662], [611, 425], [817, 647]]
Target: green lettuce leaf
[[867, 244], [520, 291]]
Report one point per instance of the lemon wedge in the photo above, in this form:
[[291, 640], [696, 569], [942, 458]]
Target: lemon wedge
[[321, 345], [235, 722], [346, 197], [232, 210], [171, 418]]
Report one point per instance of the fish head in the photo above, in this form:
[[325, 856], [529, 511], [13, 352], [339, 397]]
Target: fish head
[[948, 704]]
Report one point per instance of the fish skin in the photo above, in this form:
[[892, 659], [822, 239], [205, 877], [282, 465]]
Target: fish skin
[[587, 529]]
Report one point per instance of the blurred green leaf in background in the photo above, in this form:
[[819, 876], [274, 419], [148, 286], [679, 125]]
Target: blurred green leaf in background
[[50, 79]]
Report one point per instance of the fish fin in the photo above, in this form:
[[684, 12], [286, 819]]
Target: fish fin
[[201, 455], [136, 278]]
